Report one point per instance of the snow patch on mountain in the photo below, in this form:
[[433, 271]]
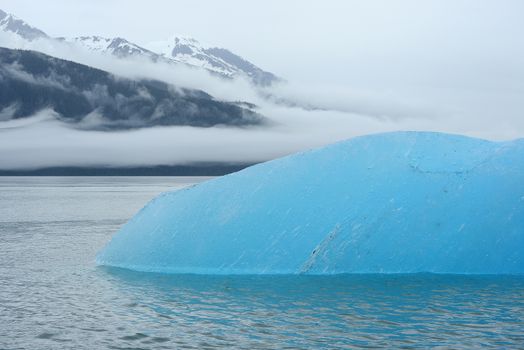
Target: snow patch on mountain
[[177, 50], [215, 59], [13, 24], [119, 47]]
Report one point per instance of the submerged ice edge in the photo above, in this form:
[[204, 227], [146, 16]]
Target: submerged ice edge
[[387, 203], [248, 273]]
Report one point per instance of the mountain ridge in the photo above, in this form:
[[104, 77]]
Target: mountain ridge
[[177, 50], [13, 24]]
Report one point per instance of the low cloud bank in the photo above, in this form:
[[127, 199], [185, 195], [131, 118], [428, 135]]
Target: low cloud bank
[[303, 116], [42, 141]]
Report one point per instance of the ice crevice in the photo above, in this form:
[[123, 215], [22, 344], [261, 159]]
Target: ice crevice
[[320, 250]]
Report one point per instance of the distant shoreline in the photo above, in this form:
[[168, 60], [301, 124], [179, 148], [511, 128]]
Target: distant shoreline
[[162, 170]]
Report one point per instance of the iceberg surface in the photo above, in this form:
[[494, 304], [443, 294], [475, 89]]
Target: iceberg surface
[[387, 203]]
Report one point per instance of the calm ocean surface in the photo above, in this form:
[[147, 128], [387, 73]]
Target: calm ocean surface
[[52, 296]]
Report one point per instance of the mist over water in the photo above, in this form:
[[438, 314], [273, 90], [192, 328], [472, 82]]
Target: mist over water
[[53, 295], [404, 77]]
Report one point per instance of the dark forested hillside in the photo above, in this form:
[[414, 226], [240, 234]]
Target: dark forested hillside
[[94, 99]]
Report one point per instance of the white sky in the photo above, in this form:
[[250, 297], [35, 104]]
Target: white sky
[[444, 65], [322, 41]]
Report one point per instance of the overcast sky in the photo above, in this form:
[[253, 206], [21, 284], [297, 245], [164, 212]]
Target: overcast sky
[[442, 65], [324, 41]]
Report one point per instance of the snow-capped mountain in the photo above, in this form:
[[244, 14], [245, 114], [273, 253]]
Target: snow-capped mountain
[[13, 24], [215, 59], [187, 51], [119, 47], [177, 50]]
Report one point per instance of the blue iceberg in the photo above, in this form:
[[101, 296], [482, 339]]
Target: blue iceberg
[[399, 202]]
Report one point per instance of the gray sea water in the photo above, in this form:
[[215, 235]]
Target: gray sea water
[[53, 296]]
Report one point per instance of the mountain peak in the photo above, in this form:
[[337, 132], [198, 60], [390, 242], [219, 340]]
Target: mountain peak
[[117, 46], [215, 59], [180, 40], [13, 24], [178, 49]]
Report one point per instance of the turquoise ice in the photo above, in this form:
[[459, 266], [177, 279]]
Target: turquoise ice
[[387, 203]]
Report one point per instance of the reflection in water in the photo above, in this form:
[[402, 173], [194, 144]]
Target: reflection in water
[[329, 311]]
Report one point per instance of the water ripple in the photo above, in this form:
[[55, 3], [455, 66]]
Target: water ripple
[[53, 297]]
